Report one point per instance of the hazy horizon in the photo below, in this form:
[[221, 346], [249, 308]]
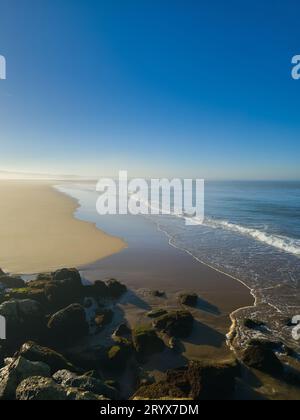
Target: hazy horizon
[[201, 90]]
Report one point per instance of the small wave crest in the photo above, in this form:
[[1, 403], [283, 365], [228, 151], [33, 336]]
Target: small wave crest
[[280, 242]]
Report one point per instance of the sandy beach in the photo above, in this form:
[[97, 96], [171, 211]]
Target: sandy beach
[[39, 233]]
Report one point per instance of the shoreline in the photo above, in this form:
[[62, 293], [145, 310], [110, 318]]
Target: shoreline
[[45, 235]]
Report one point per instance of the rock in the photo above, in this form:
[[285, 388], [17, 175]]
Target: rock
[[156, 313], [17, 371], [261, 357], [68, 325], [76, 394], [197, 381], [63, 376], [36, 353], [100, 289], [90, 384], [146, 342], [115, 288], [40, 388], [25, 321], [118, 356], [68, 274], [122, 331], [103, 317], [31, 293], [189, 299], [11, 282], [61, 293], [175, 324]]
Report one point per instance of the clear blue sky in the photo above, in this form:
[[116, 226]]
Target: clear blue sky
[[158, 87]]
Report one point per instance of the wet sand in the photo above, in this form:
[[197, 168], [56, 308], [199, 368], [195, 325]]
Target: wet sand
[[151, 263], [39, 233]]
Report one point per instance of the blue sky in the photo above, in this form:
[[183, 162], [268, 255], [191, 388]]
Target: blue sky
[[160, 88]]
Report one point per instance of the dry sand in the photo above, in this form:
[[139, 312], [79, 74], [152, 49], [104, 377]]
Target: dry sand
[[39, 233]]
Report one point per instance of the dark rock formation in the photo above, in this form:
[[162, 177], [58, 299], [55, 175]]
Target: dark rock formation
[[25, 321], [36, 353], [68, 325], [197, 381], [261, 357], [188, 299], [115, 288], [85, 383], [18, 370], [11, 282], [40, 388], [146, 342], [175, 324]]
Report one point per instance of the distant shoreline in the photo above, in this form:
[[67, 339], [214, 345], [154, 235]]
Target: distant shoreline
[[40, 232]]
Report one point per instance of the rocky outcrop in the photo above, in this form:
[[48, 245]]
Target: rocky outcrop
[[188, 299], [175, 324], [40, 388], [115, 288], [68, 325], [11, 282], [197, 381], [146, 342], [65, 288], [36, 353], [85, 383], [25, 321], [18, 370], [260, 356]]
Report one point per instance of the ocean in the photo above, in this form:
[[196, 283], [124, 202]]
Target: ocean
[[251, 231]]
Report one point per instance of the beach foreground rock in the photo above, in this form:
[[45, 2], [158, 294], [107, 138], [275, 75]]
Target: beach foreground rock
[[197, 381], [175, 323], [68, 325], [18, 370]]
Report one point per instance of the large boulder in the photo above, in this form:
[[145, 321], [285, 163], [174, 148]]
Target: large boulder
[[197, 381], [146, 342], [40, 388], [64, 288], [18, 370], [11, 282], [85, 383], [260, 356], [68, 325], [36, 353], [115, 288], [175, 323], [25, 320]]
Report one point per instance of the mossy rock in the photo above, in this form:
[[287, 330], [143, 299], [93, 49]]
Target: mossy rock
[[175, 323], [146, 341], [156, 313]]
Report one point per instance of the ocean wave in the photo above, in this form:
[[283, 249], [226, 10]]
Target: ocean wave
[[282, 243]]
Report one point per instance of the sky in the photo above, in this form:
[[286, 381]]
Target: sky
[[161, 88]]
